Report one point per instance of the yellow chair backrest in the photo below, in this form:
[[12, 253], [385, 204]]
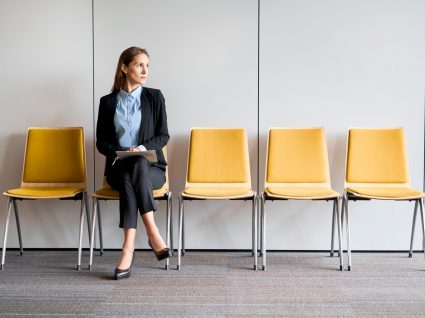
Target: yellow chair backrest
[[376, 156], [297, 155], [218, 155], [54, 156]]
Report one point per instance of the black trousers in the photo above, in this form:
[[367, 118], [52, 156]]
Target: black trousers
[[135, 180]]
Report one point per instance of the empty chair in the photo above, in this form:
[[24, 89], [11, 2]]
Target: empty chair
[[106, 193], [376, 168], [297, 168], [218, 169], [54, 168]]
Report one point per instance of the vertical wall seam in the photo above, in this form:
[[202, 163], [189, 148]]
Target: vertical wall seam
[[258, 96], [93, 101]]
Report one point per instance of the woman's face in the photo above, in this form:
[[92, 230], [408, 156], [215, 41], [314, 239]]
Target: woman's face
[[137, 70]]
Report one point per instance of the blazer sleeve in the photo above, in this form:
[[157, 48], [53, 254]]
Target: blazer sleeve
[[106, 141], [161, 136]]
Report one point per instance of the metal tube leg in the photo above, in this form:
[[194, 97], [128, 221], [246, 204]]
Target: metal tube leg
[[421, 206], [6, 228], [86, 204], [254, 229], [348, 232], [93, 231], [183, 231], [167, 229], [263, 230], [18, 225], [171, 226], [259, 225], [180, 232], [333, 229], [336, 209], [413, 228], [80, 240], [99, 223]]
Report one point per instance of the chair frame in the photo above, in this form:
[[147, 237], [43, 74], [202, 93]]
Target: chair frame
[[182, 197], [167, 196], [268, 197], [79, 196], [353, 197]]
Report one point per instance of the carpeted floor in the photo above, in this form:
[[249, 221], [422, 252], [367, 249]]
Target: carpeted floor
[[212, 284]]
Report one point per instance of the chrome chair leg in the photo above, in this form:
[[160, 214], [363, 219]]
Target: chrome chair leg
[[80, 240], [181, 202], [183, 231], [263, 230], [254, 229], [99, 222], [93, 231], [341, 260], [18, 225], [171, 225], [348, 231], [421, 206], [86, 204], [259, 227], [413, 228], [167, 229], [333, 229], [6, 228]]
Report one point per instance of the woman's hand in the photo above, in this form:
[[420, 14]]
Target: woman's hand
[[133, 149]]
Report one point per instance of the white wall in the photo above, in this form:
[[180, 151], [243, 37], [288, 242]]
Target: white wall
[[46, 80], [322, 63]]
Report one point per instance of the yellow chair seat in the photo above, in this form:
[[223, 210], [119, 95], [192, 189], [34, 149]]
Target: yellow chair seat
[[301, 192], [110, 194], [390, 193], [217, 192], [43, 192]]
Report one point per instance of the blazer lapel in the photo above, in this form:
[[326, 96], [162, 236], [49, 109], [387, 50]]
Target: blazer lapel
[[145, 115]]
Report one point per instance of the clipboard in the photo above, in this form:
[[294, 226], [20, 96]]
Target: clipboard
[[148, 154]]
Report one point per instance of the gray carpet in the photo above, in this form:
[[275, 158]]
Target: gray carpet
[[45, 283]]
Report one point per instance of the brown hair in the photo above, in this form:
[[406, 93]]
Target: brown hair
[[125, 58]]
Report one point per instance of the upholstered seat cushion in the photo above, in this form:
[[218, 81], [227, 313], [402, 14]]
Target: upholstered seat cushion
[[301, 192], [390, 193], [221, 192], [43, 192], [107, 193]]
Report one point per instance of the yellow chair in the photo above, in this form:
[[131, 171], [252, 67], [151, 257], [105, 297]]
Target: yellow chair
[[106, 193], [297, 168], [54, 168], [218, 169], [376, 168]]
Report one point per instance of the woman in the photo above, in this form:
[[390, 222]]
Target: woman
[[133, 118]]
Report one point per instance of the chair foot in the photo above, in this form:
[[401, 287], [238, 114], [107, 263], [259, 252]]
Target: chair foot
[[78, 267], [349, 268], [183, 253], [101, 254], [341, 268], [21, 253], [410, 255], [255, 267], [178, 267], [264, 267], [166, 267], [1, 267], [90, 267], [331, 254]]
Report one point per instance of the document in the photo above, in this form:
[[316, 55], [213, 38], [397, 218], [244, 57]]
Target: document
[[148, 154]]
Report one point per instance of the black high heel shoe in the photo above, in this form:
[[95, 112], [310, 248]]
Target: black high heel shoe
[[123, 273], [162, 254]]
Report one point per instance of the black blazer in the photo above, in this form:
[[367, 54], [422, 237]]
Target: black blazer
[[153, 128]]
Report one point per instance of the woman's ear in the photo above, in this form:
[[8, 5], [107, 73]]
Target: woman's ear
[[124, 68]]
